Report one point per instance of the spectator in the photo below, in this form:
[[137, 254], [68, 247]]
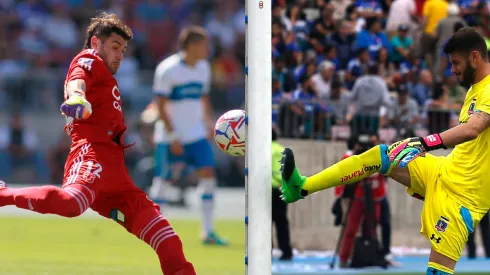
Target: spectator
[[357, 22], [386, 67], [323, 79], [373, 38], [457, 93], [331, 55], [369, 8], [357, 67], [324, 26], [370, 92], [278, 15], [278, 98], [468, 9], [402, 44], [18, 148], [420, 90], [440, 112], [344, 42], [404, 114], [304, 97], [444, 30], [434, 11], [310, 68], [305, 105], [340, 8], [281, 72], [337, 103], [482, 18], [402, 13]]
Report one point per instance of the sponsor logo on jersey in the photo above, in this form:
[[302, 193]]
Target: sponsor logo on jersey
[[86, 63]]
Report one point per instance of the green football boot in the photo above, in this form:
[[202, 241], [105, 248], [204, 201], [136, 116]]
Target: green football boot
[[292, 181]]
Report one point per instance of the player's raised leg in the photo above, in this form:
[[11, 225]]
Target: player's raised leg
[[70, 201], [352, 169], [141, 217], [379, 159]]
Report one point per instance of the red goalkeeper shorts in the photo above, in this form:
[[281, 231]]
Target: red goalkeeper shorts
[[101, 168]]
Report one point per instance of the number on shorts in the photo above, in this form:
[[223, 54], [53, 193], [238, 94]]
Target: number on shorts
[[97, 166]]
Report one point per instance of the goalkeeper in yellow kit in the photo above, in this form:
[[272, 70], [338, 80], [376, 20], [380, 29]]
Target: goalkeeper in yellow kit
[[454, 188]]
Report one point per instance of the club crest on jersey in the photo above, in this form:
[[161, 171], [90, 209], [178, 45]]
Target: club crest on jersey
[[471, 109], [442, 224], [89, 177], [86, 63]]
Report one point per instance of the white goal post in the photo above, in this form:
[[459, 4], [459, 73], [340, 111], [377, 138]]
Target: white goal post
[[258, 158]]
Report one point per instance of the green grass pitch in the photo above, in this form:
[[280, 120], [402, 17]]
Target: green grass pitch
[[46, 246], [57, 246]]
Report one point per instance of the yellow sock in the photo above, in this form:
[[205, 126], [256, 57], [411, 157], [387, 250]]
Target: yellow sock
[[442, 269], [350, 170]]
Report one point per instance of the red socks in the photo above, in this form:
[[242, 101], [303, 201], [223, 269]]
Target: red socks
[[155, 230], [71, 201]]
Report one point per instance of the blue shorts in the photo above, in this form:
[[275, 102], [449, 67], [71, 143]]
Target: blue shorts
[[196, 155]]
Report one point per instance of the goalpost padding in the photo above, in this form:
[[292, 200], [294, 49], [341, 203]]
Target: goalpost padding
[[258, 158]]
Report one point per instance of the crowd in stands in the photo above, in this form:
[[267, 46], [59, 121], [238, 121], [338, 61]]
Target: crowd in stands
[[367, 64], [336, 64]]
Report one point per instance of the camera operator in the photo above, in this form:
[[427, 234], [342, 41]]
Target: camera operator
[[354, 196]]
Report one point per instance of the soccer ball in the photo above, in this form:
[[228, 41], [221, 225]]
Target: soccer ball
[[229, 133]]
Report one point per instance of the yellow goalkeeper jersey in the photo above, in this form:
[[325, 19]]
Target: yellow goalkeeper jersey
[[466, 171]]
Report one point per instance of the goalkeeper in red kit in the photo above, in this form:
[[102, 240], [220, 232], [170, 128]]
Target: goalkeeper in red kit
[[95, 175]]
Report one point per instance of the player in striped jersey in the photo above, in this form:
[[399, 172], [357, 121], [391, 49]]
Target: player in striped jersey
[[181, 85]]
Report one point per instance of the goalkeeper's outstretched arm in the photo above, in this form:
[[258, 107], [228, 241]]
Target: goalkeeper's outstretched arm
[[462, 133], [76, 87], [76, 105]]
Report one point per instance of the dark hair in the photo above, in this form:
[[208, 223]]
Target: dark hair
[[465, 41], [373, 68], [457, 26], [361, 51], [438, 90], [191, 35], [303, 78], [103, 25], [370, 22]]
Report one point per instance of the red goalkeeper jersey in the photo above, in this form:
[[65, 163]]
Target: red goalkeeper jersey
[[107, 120], [378, 184]]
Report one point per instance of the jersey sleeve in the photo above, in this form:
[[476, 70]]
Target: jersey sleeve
[[87, 67], [484, 104], [162, 84]]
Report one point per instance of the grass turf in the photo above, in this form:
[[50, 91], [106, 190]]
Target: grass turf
[[56, 246], [96, 246]]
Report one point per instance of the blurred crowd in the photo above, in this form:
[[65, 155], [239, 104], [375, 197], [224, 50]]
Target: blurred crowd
[[36, 35], [367, 65], [339, 66]]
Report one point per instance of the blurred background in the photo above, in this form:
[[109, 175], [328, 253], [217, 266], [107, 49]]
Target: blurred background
[[320, 49], [340, 68]]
